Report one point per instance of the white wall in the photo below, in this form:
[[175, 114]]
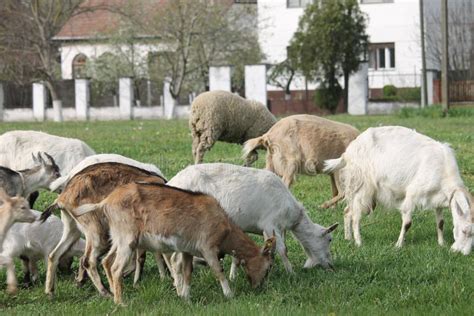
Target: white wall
[[70, 51], [388, 22]]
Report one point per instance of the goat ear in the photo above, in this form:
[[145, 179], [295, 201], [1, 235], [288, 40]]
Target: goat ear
[[330, 229], [269, 247]]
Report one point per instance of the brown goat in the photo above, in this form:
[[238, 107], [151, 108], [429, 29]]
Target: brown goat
[[157, 217], [91, 185], [301, 144]]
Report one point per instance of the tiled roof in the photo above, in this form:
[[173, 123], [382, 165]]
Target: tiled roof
[[103, 19]]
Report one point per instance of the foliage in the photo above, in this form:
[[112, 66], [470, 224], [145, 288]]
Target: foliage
[[330, 41], [123, 60], [200, 34], [389, 91], [375, 279], [27, 49], [328, 96]]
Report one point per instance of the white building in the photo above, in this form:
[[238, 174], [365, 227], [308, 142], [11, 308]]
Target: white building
[[393, 29]]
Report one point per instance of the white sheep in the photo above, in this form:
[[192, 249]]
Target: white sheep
[[260, 203], [16, 148], [224, 116], [399, 168], [301, 144], [32, 242]]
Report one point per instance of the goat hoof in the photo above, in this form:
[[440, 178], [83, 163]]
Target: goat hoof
[[105, 293], [12, 289]]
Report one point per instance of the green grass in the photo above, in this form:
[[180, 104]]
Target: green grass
[[421, 278]]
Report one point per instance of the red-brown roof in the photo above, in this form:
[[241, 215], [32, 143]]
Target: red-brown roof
[[103, 19]]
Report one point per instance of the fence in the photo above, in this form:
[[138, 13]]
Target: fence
[[461, 91]]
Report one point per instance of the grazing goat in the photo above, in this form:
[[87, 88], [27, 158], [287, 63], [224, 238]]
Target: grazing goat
[[12, 210], [260, 203], [161, 218], [301, 144], [16, 148], [400, 168], [91, 185], [32, 242], [25, 182]]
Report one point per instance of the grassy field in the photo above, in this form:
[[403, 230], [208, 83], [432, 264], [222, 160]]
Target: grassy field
[[421, 278]]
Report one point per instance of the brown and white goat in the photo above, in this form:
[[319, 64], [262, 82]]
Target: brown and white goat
[[91, 185], [157, 217], [12, 210]]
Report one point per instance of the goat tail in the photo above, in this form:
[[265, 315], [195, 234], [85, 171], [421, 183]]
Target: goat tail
[[86, 208], [252, 145], [49, 211], [333, 165]]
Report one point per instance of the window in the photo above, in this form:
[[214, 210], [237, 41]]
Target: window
[[375, 1], [79, 66], [382, 56], [298, 3]]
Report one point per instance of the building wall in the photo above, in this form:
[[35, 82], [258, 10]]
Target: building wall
[[94, 50], [395, 22]]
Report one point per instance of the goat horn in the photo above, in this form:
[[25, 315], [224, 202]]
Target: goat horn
[[330, 228]]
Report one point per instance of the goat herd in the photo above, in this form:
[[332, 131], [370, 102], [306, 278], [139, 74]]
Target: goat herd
[[124, 207]]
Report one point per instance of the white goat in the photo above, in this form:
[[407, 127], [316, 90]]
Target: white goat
[[16, 148], [24, 182], [260, 203], [400, 168], [32, 242]]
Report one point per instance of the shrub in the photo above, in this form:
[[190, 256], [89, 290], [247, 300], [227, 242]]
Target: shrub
[[328, 96], [409, 94], [389, 91]]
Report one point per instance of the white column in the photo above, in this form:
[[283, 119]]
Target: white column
[[82, 92], [2, 101], [39, 101], [429, 86], [57, 110], [220, 78], [126, 98], [256, 83], [358, 91], [168, 100]]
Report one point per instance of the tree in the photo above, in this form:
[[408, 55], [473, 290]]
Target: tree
[[461, 38], [124, 59], [27, 50], [330, 42], [200, 34]]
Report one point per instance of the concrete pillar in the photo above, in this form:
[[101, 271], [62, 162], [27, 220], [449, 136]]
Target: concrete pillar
[[82, 92], [126, 98], [39, 101], [220, 78], [57, 110], [168, 101], [256, 83], [430, 76], [359, 90], [2, 101]]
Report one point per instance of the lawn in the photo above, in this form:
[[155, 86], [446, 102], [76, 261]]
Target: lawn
[[421, 278]]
